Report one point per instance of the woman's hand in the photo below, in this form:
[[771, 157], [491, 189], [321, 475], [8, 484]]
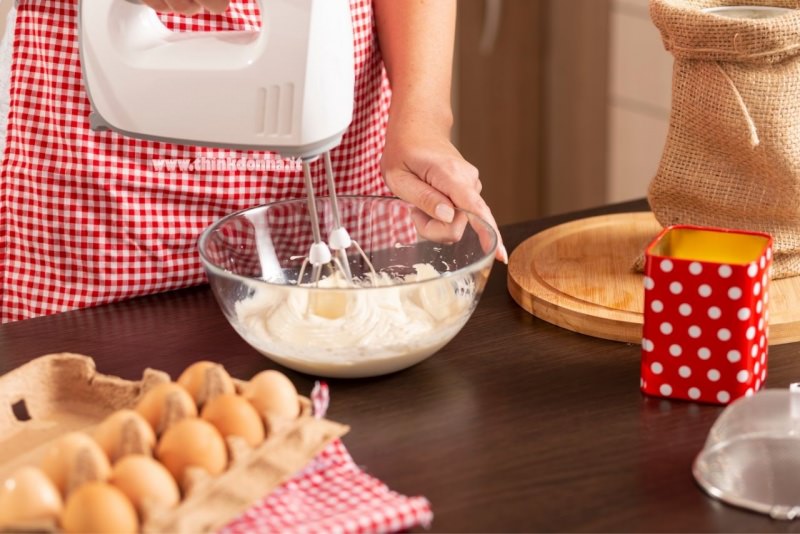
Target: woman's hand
[[188, 7], [419, 163], [422, 167]]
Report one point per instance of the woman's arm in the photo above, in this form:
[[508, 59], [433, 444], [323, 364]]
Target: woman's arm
[[419, 163], [417, 39]]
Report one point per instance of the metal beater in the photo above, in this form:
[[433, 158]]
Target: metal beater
[[319, 255]]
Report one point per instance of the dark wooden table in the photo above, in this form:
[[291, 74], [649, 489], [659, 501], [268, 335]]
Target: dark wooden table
[[516, 425]]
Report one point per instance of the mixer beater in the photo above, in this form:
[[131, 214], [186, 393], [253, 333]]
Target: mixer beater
[[339, 240]]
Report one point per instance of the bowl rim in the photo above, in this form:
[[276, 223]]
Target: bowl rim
[[487, 258]]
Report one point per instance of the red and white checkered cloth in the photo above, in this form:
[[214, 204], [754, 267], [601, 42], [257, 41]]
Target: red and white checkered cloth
[[332, 495], [86, 217]]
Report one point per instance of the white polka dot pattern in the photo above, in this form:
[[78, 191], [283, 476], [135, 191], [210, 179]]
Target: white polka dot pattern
[[743, 376], [705, 328]]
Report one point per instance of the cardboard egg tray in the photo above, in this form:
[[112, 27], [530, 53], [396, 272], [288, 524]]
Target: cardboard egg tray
[[60, 393]]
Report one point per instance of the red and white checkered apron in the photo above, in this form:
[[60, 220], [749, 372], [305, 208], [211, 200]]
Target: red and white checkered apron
[[87, 218]]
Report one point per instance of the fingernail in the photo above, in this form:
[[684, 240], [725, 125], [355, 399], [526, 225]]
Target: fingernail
[[503, 254], [445, 213]]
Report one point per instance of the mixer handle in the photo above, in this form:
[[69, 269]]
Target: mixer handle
[[287, 87], [136, 32], [141, 2]]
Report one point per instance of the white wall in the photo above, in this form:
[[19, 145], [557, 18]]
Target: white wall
[[639, 100]]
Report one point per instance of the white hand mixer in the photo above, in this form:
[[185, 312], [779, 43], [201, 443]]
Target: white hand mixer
[[287, 88]]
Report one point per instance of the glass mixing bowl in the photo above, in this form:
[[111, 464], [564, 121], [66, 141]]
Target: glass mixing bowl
[[427, 280]]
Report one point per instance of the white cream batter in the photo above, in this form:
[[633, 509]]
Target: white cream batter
[[357, 332]]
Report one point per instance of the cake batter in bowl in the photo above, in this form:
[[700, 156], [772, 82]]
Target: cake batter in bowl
[[423, 290]]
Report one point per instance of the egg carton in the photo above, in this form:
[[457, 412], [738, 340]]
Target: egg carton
[[60, 393]]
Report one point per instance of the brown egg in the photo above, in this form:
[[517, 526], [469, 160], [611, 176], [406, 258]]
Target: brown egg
[[29, 496], [124, 432], [74, 459], [232, 415], [145, 482], [192, 442], [99, 507], [164, 405], [205, 380], [273, 394]]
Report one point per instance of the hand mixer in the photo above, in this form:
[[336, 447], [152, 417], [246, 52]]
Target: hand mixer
[[287, 88]]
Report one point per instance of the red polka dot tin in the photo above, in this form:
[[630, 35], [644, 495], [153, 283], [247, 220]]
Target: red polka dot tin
[[705, 331]]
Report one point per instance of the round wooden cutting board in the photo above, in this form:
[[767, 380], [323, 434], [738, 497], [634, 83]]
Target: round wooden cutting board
[[580, 276]]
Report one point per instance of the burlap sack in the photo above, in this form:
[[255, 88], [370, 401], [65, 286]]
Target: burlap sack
[[732, 156]]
